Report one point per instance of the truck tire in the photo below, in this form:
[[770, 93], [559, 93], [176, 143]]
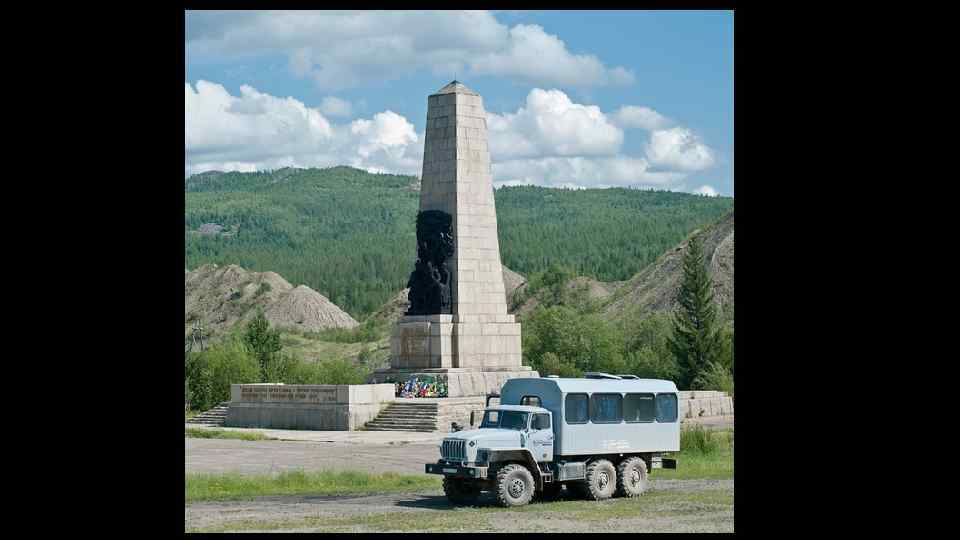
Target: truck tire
[[457, 492], [515, 485], [601, 480], [631, 477]]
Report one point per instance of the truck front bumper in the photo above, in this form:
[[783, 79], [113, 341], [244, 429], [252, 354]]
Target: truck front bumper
[[457, 470]]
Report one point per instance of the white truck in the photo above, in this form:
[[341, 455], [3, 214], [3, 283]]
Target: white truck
[[600, 436]]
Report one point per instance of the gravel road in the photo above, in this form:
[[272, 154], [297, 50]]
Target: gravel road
[[255, 457], [696, 518]]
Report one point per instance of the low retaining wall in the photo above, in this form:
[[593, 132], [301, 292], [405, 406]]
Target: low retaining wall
[[321, 407], [458, 410], [698, 403]]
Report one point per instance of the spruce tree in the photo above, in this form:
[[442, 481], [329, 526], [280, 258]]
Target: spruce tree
[[695, 342]]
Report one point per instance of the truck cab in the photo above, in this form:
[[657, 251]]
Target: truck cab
[[596, 436]]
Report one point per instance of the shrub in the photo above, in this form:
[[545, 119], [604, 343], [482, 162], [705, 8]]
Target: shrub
[[211, 372], [263, 288], [647, 363], [715, 377], [551, 364], [585, 341], [698, 440]]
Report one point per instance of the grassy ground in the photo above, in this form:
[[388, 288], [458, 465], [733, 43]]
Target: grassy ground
[[704, 454], [219, 487], [313, 349], [200, 433], [661, 504]]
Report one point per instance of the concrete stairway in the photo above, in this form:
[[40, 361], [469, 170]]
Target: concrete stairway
[[214, 417], [406, 416]]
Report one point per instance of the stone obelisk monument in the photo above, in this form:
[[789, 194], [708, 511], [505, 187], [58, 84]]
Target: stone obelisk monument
[[457, 326]]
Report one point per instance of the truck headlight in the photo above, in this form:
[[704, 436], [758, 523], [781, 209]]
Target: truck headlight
[[482, 455]]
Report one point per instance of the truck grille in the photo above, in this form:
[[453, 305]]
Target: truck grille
[[454, 450]]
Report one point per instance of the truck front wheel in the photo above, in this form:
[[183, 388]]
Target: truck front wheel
[[457, 491], [515, 485], [631, 477]]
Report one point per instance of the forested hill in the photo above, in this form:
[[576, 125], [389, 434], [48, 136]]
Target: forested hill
[[350, 235]]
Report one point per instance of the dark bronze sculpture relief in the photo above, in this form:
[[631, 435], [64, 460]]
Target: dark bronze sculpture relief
[[430, 282]]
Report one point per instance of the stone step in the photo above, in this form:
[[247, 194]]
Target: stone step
[[408, 415], [216, 416], [395, 429], [390, 423], [401, 422], [401, 428], [425, 407]]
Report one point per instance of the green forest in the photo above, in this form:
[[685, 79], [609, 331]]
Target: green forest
[[349, 234]]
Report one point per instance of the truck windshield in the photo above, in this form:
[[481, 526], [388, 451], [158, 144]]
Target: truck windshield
[[514, 420]]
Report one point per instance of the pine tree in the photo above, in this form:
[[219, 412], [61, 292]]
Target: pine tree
[[695, 342]]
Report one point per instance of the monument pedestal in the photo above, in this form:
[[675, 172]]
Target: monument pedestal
[[484, 342]]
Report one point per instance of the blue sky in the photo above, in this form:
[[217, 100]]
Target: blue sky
[[575, 98]]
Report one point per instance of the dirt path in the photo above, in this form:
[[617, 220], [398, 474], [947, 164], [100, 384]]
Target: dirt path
[[671, 506]]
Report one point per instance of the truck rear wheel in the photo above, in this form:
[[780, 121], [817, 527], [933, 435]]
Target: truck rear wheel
[[515, 485], [457, 491], [631, 477], [601, 480]]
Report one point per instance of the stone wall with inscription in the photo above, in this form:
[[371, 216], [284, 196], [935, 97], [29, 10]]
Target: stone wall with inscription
[[322, 407]]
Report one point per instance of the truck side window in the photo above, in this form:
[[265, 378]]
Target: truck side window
[[541, 421], [639, 408], [666, 407], [606, 408], [533, 401], [575, 409]]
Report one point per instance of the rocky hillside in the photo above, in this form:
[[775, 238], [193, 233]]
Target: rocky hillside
[[521, 305], [654, 287], [221, 296]]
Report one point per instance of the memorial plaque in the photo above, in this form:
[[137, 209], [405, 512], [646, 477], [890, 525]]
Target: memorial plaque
[[287, 394], [414, 342]]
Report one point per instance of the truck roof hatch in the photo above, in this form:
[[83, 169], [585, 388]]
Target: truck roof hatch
[[599, 375]]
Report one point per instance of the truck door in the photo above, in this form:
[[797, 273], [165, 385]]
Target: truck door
[[541, 437]]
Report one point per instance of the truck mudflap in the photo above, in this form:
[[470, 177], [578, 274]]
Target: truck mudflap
[[456, 470], [657, 462]]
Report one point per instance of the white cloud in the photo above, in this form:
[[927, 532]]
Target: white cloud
[[583, 172], [550, 124], [679, 148], [256, 131], [532, 55], [345, 49], [630, 116], [334, 106], [550, 141], [706, 190]]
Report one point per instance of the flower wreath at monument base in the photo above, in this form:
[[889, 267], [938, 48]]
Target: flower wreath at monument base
[[421, 387]]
